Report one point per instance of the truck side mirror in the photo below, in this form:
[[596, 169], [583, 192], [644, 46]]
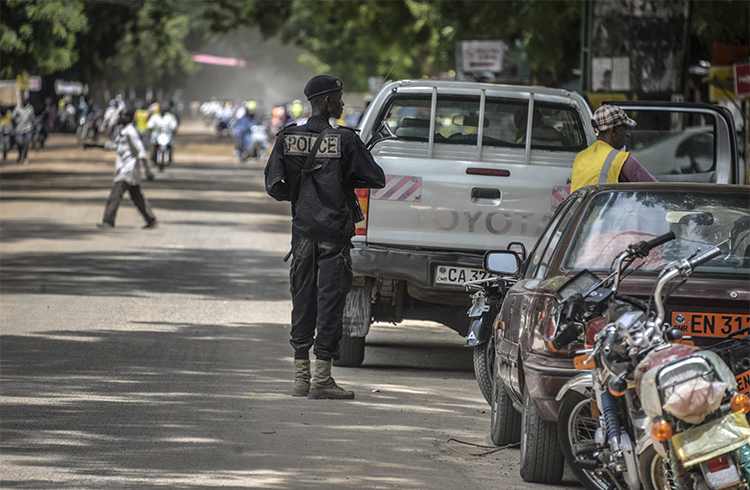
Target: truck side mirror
[[383, 133], [502, 263]]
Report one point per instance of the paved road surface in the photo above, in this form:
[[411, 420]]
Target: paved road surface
[[159, 358]]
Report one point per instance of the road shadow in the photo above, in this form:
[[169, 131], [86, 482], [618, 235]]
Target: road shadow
[[224, 274], [197, 406]]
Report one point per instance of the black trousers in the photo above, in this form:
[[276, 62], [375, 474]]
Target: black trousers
[[320, 277], [115, 197]]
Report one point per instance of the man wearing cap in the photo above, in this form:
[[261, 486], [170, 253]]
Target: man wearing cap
[[603, 162], [321, 190]]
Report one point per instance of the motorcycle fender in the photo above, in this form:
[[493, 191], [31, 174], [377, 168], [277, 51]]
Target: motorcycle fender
[[580, 383], [478, 333]]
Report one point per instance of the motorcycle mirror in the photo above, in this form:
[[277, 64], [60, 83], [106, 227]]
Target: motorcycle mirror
[[503, 263], [672, 334]]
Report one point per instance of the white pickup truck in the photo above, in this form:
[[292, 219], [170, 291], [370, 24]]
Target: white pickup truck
[[457, 188]]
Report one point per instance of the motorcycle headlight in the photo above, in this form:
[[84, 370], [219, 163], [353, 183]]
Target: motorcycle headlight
[[163, 139]]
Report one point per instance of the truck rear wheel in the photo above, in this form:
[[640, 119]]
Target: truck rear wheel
[[351, 352], [357, 319]]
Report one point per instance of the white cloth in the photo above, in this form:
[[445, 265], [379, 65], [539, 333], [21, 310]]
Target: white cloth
[[167, 120], [24, 118], [129, 151]]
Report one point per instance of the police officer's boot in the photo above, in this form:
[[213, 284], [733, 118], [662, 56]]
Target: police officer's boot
[[324, 387], [301, 377]]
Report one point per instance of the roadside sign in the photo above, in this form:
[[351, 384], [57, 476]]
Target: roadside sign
[[479, 56], [22, 82], [742, 79], [35, 84]]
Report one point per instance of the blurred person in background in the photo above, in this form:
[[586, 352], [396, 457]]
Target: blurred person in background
[[131, 155], [51, 112], [163, 120], [23, 124], [141, 123]]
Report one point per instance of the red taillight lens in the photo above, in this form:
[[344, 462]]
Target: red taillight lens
[[364, 200], [593, 327], [718, 464]]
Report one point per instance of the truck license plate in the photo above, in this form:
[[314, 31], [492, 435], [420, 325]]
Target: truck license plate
[[452, 275]]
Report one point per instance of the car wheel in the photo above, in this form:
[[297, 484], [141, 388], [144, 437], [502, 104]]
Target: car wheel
[[484, 365], [505, 421], [654, 471], [351, 352], [541, 458]]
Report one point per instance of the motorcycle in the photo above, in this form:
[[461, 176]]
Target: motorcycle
[[162, 139], [40, 133], [254, 143], [485, 305], [6, 139], [611, 423], [87, 129]]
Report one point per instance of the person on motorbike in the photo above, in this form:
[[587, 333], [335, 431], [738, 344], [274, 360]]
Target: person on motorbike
[[23, 122], [163, 120], [141, 125]]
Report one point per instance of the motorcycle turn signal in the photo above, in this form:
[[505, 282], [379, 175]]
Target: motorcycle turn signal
[[661, 430], [740, 403]]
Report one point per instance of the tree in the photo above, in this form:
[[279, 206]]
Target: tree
[[38, 36]]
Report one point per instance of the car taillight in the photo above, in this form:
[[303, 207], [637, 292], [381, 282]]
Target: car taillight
[[593, 327], [364, 200]]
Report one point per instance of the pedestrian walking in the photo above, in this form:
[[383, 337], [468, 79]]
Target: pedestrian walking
[[130, 156], [317, 168], [23, 122], [604, 162]]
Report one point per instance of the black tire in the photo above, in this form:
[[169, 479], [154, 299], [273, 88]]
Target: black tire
[[576, 427], [542, 461], [505, 421], [484, 366], [351, 352], [655, 473]]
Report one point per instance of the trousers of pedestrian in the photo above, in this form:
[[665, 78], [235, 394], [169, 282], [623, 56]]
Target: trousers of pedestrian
[[115, 198], [320, 278], [22, 142]]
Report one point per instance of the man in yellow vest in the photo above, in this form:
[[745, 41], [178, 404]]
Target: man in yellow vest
[[603, 162]]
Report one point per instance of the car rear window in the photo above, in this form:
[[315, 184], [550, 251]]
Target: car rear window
[[555, 126], [700, 220]]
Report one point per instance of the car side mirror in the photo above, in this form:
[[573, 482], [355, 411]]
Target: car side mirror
[[503, 262], [519, 248], [383, 133]]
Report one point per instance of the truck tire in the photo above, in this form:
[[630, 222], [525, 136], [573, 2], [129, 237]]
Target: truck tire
[[505, 421], [484, 365], [542, 461], [351, 352], [357, 319]]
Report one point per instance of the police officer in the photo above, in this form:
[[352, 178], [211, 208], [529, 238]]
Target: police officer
[[324, 206], [603, 162]]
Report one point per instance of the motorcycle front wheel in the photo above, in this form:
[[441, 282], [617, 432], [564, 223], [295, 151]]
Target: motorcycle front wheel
[[576, 428]]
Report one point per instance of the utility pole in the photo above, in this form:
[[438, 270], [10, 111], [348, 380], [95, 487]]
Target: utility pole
[[587, 21]]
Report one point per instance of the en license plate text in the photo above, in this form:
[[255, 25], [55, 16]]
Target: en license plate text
[[709, 324], [451, 275]]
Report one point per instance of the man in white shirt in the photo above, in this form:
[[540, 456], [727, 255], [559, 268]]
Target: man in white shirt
[[23, 122], [130, 155]]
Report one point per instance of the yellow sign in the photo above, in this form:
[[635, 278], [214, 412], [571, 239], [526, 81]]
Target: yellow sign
[[721, 83]]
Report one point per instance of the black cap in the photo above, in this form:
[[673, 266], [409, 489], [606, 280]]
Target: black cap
[[322, 84]]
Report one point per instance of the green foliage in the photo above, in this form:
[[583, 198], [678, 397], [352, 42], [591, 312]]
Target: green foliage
[[726, 22], [39, 36]]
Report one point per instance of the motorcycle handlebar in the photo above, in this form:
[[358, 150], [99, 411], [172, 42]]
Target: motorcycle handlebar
[[642, 248], [704, 257], [565, 337]]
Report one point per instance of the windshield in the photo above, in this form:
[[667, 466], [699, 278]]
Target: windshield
[[700, 220]]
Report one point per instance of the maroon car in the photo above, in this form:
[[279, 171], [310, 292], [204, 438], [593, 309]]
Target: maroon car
[[587, 232]]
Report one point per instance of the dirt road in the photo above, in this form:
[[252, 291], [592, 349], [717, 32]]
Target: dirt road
[[135, 358]]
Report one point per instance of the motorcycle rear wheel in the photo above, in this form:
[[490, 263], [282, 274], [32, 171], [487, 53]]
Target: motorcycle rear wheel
[[655, 472], [484, 365]]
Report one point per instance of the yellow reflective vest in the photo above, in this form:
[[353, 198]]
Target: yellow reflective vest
[[597, 164]]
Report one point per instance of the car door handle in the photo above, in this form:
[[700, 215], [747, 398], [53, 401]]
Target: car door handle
[[479, 193]]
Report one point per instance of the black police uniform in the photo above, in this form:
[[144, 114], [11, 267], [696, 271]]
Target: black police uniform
[[322, 226]]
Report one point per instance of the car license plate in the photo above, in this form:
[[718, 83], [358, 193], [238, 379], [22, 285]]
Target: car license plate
[[449, 275], [709, 324]]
